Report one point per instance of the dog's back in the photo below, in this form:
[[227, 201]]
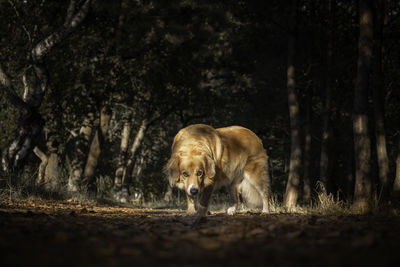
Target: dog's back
[[201, 136], [241, 140]]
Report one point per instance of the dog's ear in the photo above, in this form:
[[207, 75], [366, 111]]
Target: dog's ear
[[210, 167], [172, 170]]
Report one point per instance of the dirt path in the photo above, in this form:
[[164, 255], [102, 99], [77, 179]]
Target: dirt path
[[50, 233]]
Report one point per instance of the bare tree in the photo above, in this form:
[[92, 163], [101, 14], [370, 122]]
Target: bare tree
[[362, 142]]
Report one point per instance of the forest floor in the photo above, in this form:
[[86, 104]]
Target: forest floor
[[67, 233]]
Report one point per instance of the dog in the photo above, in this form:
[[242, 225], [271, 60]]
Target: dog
[[204, 159]]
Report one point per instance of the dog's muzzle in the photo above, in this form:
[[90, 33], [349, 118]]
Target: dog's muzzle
[[192, 190]]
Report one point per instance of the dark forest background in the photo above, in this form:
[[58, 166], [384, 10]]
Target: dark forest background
[[92, 92]]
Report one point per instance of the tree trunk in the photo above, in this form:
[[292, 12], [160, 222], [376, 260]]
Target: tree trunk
[[396, 184], [349, 179], [29, 127], [378, 99], [292, 187], [126, 179], [324, 159], [42, 167], [168, 194], [362, 142], [307, 151], [49, 171], [30, 122], [95, 150], [81, 149], [126, 164], [122, 157], [52, 173]]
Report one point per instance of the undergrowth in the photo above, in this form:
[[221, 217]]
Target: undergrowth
[[323, 203], [328, 203]]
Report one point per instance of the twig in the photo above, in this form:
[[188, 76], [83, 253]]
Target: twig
[[19, 17]]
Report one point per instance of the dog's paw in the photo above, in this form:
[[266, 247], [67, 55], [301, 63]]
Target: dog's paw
[[265, 211], [191, 211], [231, 211]]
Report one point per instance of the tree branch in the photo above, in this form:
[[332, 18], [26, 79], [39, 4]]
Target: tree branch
[[40, 86], [5, 85], [19, 17], [71, 22], [26, 87], [161, 116], [70, 13], [40, 154]]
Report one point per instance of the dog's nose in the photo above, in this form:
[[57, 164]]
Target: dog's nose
[[194, 191]]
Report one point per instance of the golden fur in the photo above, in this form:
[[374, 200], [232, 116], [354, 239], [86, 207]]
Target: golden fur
[[205, 158]]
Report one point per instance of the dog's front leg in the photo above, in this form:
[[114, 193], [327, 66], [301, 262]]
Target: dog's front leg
[[203, 203], [234, 199], [190, 204]]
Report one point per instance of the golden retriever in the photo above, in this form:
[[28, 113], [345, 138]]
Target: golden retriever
[[204, 158]]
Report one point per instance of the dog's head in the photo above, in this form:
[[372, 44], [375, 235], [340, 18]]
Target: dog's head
[[191, 171]]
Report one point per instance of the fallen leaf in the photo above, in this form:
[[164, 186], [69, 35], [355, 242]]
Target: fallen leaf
[[209, 243], [255, 231], [293, 235]]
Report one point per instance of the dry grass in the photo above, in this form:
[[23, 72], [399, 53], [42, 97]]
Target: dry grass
[[322, 204], [328, 204]]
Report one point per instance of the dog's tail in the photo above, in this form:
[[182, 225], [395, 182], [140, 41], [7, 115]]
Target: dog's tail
[[250, 195]]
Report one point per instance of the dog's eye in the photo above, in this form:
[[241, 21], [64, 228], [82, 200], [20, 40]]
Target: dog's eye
[[199, 173], [185, 174]]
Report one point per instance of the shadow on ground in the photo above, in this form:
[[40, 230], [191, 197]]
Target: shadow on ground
[[62, 233]]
